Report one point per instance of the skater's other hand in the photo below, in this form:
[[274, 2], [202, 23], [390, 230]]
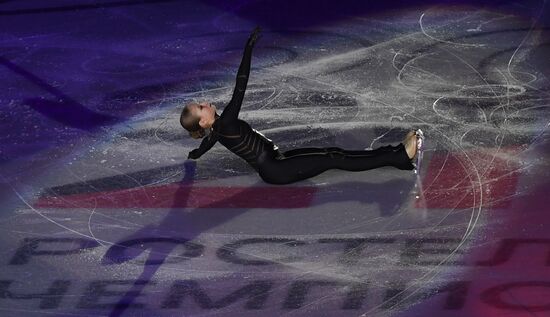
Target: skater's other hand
[[193, 154]]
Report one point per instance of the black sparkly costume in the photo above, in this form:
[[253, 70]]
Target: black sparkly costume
[[298, 164]]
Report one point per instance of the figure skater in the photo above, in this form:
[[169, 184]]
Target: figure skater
[[277, 167]]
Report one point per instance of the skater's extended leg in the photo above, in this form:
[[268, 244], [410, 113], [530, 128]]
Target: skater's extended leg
[[306, 163], [334, 150], [305, 151]]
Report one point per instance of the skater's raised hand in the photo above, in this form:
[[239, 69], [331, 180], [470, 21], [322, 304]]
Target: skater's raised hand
[[254, 36], [231, 111]]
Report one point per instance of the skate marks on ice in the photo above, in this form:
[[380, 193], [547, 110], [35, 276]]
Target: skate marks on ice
[[462, 79]]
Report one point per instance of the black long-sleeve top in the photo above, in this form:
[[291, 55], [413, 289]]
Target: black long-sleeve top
[[233, 133]]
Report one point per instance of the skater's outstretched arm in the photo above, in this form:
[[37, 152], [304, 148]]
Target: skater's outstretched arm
[[206, 144], [231, 111]]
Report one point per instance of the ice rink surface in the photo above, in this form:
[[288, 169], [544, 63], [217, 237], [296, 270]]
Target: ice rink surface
[[103, 215]]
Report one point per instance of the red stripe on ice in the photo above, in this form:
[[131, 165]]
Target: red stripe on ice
[[186, 196], [452, 182]]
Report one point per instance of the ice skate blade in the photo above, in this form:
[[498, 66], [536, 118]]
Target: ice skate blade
[[419, 150]]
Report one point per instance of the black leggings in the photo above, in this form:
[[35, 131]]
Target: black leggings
[[299, 164]]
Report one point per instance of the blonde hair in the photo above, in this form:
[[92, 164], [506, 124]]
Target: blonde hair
[[191, 123]]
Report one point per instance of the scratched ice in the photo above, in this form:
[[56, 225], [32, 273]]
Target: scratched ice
[[122, 224]]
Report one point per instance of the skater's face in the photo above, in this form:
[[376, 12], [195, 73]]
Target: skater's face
[[206, 112]]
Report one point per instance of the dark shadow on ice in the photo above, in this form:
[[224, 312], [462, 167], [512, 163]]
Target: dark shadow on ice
[[64, 109], [70, 113], [167, 232], [179, 227], [79, 7]]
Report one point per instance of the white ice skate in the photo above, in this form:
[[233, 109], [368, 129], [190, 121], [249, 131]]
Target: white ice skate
[[419, 150]]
